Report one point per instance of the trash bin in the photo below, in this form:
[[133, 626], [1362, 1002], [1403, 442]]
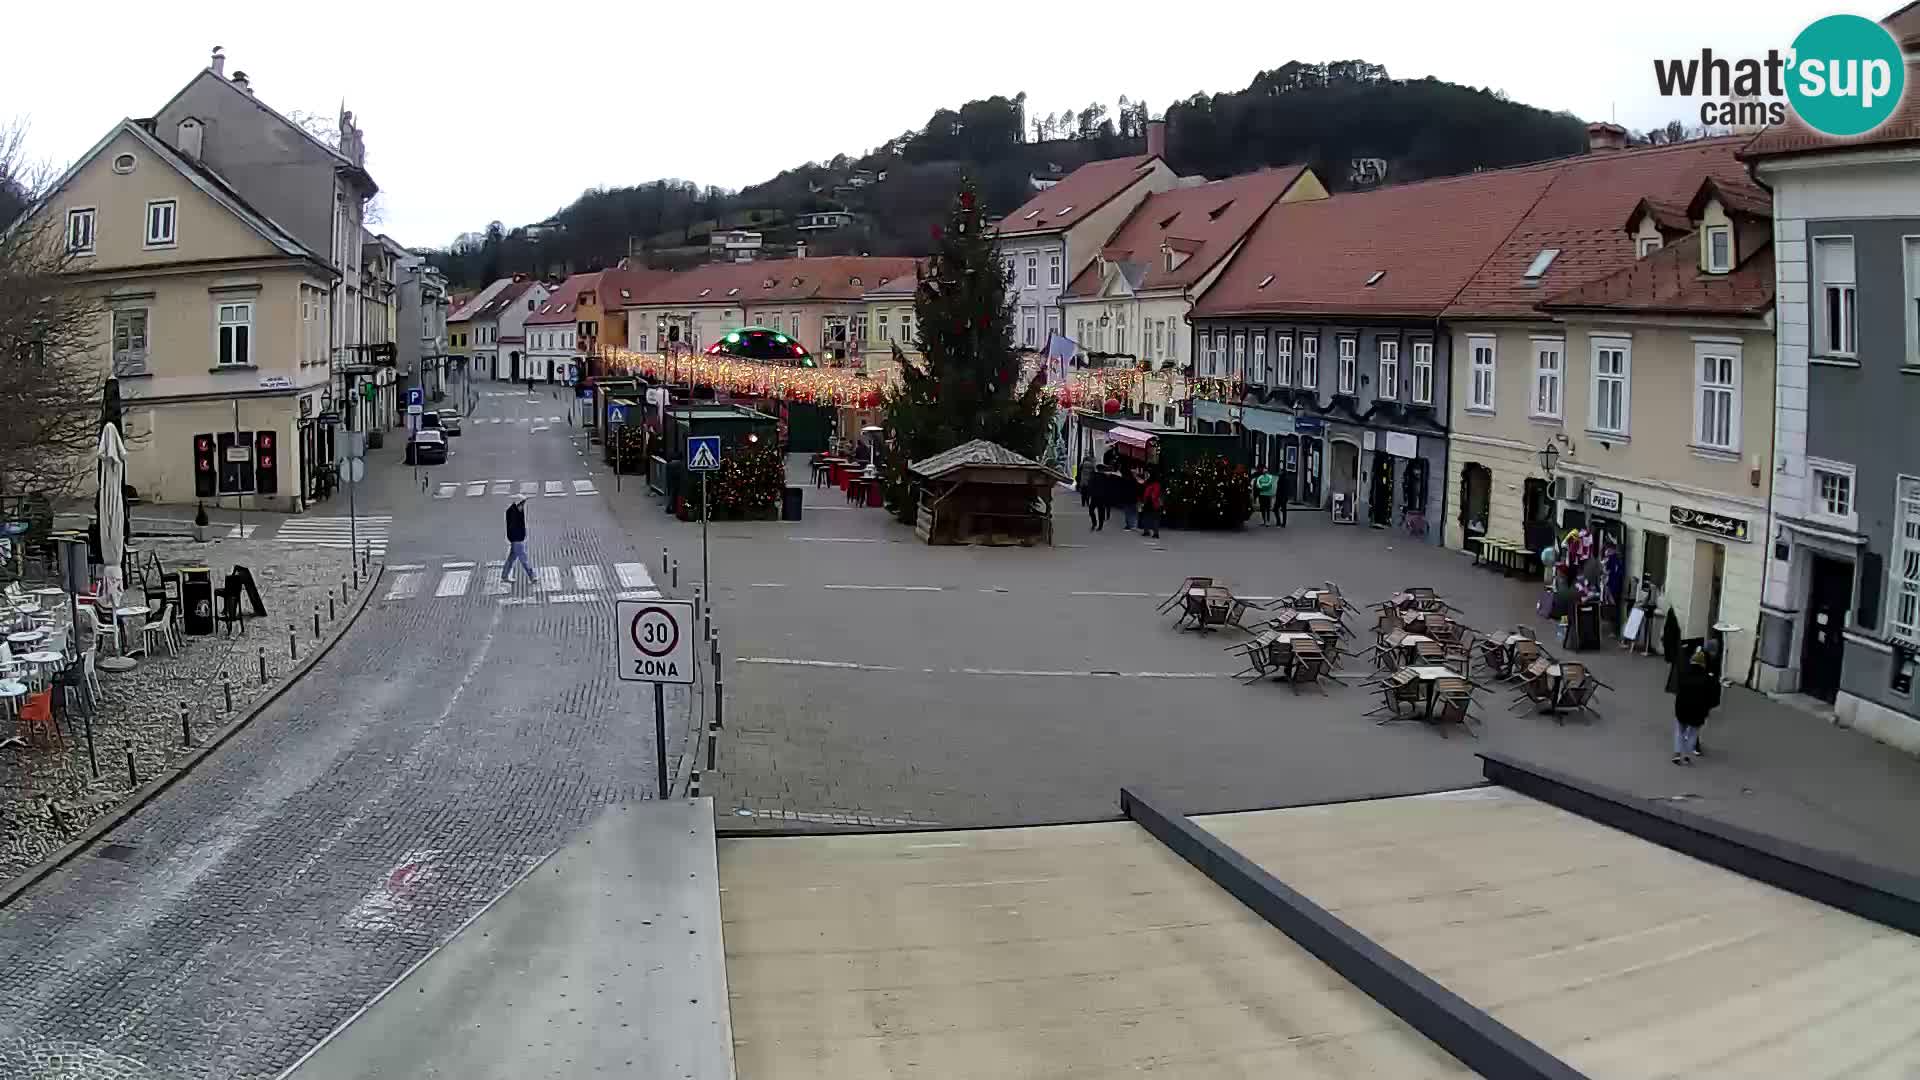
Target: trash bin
[[196, 597], [790, 503]]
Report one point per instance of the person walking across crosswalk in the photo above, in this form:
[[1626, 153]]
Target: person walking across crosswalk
[[516, 539]]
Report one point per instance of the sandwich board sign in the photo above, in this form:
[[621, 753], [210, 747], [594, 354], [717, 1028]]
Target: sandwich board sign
[[656, 640], [703, 452]]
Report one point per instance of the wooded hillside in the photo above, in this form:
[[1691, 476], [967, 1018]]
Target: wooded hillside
[[1348, 119]]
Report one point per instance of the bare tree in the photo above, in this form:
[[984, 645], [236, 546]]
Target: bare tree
[[51, 374]]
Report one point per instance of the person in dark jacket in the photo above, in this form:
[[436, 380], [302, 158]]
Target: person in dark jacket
[[1691, 704], [516, 540]]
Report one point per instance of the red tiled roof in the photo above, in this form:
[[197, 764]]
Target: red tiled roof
[[1667, 217], [1745, 199], [563, 305], [1205, 222], [1316, 257], [1795, 137], [1083, 191], [492, 308], [1904, 25], [618, 288], [830, 278], [1670, 281], [1580, 214]]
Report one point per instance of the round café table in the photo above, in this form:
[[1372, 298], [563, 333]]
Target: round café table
[[27, 637], [50, 596], [12, 692], [43, 658], [123, 662]]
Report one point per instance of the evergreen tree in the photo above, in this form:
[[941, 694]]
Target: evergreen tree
[[968, 384]]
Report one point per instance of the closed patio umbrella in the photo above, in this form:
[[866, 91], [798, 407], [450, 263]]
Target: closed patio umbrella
[[111, 509]]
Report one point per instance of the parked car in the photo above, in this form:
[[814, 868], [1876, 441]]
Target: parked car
[[430, 420], [426, 447], [450, 422]]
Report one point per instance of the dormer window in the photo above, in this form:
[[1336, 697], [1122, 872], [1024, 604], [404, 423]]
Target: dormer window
[[1537, 269], [1214, 214], [1264, 282], [1169, 219], [735, 291], [625, 294], [854, 281], [1719, 242], [796, 282], [1645, 246], [1030, 215], [1064, 211], [703, 293], [1374, 278], [767, 284]]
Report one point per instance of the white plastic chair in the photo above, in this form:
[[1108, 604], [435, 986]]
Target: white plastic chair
[[93, 678], [160, 627]]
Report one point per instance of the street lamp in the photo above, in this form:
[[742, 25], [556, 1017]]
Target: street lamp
[[1549, 457]]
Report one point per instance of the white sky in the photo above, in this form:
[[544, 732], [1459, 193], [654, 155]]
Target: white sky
[[478, 111]]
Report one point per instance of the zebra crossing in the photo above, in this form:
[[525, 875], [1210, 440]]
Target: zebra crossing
[[514, 419], [576, 584], [473, 489], [371, 530]]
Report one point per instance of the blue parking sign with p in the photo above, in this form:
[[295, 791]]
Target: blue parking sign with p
[[415, 395], [703, 452]]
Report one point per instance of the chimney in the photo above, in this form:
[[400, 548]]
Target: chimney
[[219, 64], [1605, 136], [240, 80], [1157, 138], [800, 250], [191, 132]]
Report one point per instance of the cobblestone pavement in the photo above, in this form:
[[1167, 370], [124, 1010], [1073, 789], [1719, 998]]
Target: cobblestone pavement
[[433, 756], [139, 710]]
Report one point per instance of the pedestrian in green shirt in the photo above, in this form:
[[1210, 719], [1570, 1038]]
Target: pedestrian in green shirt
[[1264, 485]]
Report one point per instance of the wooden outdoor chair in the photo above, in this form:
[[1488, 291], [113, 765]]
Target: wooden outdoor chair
[[1399, 688], [1579, 696], [1536, 693], [1309, 666], [1453, 704], [1493, 657], [1459, 653], [1180, 594], [1525, 655], [1431, 652]]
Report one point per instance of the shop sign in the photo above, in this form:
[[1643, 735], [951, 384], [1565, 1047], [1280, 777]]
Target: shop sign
[[1604, 499], [275, 382], [1309, 425], [306, 406], [1725, 525], [1402, 445]]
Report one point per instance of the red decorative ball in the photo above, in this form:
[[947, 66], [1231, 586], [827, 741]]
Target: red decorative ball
[[1112, 406], [966, 199]]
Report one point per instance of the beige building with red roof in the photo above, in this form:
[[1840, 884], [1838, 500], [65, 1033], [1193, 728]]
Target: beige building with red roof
[[1052, 237], [814, 301]]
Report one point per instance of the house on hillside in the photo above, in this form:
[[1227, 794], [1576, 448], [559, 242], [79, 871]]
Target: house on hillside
[[1841, 616], [1052, 237], [1134, 297], [1533, 380], [734, 245], [825, 219], [1321, 342]]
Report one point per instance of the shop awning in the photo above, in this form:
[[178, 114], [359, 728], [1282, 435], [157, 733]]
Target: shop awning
[[1126, 436]]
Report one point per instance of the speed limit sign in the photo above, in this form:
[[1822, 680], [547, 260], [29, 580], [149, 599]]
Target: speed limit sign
[[656, 640]]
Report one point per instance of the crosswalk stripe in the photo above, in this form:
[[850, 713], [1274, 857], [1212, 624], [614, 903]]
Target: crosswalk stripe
[[640, 594], [478, 487], [453, 583], [496, 585], [549, 578], [554, 488], [445, 491], [529, 487], [553, 419], [588, 577], [584, 487], [571, 598], [404, 586], [633, 575]]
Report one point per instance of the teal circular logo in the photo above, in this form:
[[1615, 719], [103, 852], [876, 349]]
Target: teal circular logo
[[1847, 75]]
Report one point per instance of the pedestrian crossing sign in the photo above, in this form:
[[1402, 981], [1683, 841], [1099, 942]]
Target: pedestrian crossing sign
[[703, 452]]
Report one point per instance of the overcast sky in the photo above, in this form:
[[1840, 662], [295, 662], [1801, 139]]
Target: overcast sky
[[474, 112]]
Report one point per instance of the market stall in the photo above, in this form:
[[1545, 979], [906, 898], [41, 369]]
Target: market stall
[[983, 493]]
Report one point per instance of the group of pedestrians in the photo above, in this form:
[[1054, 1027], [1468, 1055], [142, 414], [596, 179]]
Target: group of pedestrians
[[1135, 489]]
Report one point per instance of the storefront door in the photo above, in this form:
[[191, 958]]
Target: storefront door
[[1829, 595], [1313, 471], [1536, 509], [1345, 484], [1476, 498], [1380, 505]]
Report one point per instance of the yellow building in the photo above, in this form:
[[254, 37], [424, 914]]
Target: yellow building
[[214, 320]]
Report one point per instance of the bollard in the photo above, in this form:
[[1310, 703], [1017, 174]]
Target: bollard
[[316, 618], [676, 573], [133, 775], [186, 726], [713, 734], [226, 686], [663, 560], [696, 603], [693, 784], [331, 613], [263, 665], [293, 643], [719, 701]]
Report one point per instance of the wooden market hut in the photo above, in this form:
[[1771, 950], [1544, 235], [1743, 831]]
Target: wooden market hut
[[984, 493]]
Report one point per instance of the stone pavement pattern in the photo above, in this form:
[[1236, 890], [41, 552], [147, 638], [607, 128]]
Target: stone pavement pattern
[[140, 710], [433, 756]]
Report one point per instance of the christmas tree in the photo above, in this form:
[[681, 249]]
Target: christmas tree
[[966, 385]]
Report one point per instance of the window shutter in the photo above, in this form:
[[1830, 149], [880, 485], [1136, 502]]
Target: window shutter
[[1866, 613]]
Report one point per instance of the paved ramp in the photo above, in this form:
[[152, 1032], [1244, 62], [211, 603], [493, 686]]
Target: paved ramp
[[604, 961], [1064, 951], [1625, 959]]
